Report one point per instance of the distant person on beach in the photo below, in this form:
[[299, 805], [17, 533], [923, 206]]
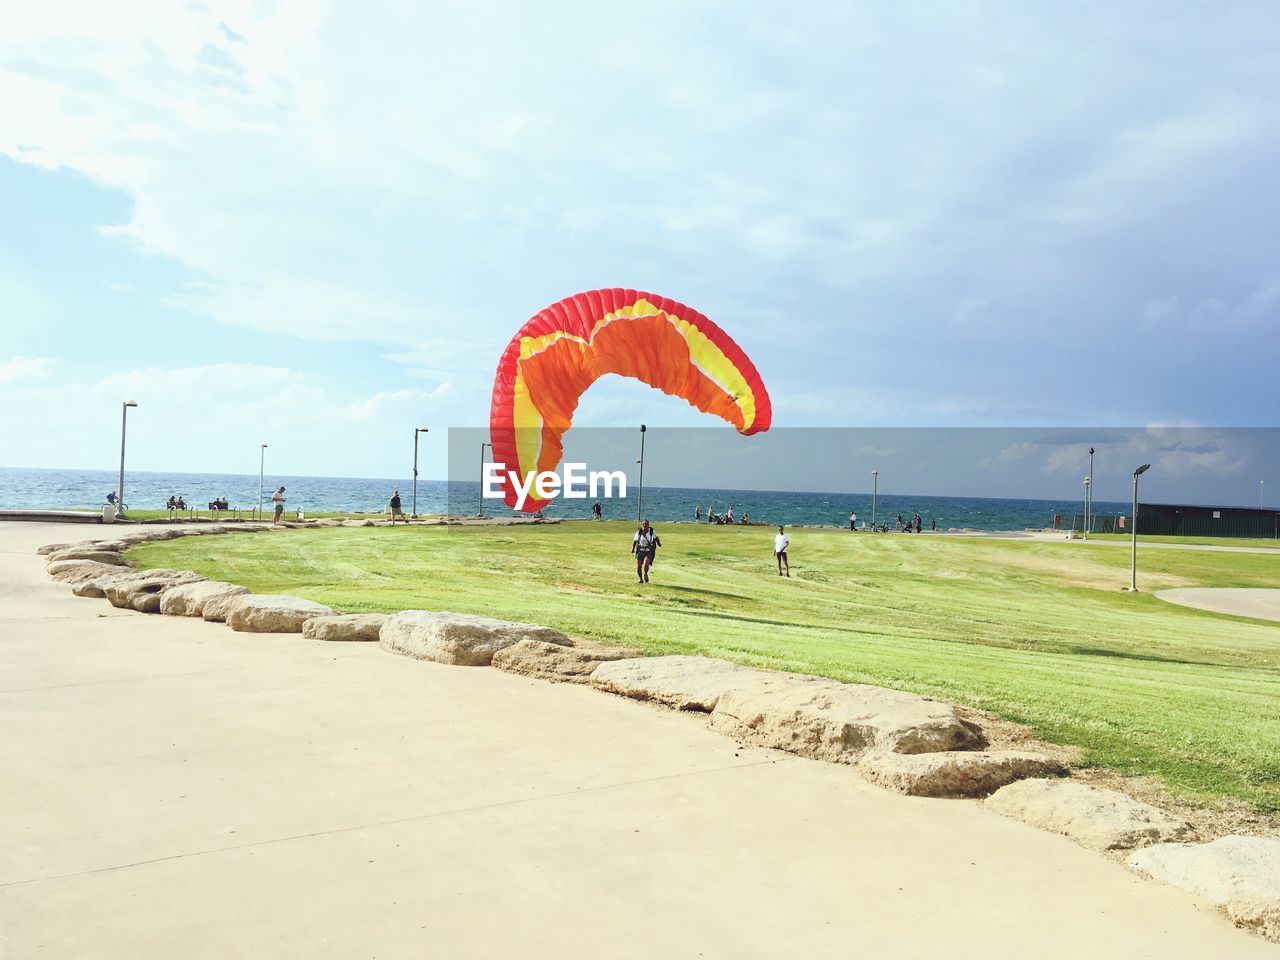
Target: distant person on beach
[[729, 513], [919, 527], [933, 523], [853, 521], [780, 544], [172, 504], [645, 546], [697, 513], [746, 518], [277, 498], [396, 511], [111, 498], [597, 510]]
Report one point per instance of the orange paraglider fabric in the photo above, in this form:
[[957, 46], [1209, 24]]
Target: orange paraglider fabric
[[565, 348]]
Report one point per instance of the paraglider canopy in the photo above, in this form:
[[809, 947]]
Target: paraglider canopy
[[562, 350]]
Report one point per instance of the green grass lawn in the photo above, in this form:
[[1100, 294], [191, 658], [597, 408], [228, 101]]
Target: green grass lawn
[[1040, 633]]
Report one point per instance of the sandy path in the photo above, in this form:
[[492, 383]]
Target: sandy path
[[1259, 602], [171, 788]]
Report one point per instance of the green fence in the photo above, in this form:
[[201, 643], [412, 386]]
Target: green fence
[[1157, 519]]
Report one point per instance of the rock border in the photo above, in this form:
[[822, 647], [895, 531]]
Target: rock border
[[808, 716]]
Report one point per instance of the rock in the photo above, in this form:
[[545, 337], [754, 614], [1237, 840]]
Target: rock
[[215, 608], [960, 773], [77, 571], [349, 626], [189, 599], [828, 720], [1092, 817], [96, 587], [272, 613], [357, 523], [458, 638], [328, 522], [551, 661], [49, 548], [1240, 875], [88, 553], [142, 591], [684, 683]]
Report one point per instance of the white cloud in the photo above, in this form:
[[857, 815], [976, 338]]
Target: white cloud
[[24, 368]]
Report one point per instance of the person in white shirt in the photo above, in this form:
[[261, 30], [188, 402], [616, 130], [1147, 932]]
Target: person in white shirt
[[780, 544], [277, 498], [853, 521]]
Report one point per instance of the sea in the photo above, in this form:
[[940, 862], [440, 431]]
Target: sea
[[34, 488]]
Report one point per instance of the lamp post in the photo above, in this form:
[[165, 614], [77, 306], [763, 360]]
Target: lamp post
[[1259, 494], [875, 479], [124, 418], [1087, 483], [1133, 564], [1088, 500], [262, 471], [640, 492], [416, 430], [480, 511]]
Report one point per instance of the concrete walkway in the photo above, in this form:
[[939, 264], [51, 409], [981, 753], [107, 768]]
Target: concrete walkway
[[1261, 603], [173, 789]]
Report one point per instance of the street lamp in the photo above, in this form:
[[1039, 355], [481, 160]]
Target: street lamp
[[640, 493], [416, 430], [1259, 494], [1088, 497], [124, 417], [875, 479], [262, 470], [480, 511], [1133, 566]]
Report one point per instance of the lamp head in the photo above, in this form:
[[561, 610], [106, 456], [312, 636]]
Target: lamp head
[[1142, 469], [420, 429], [643, 428], [131, 403]]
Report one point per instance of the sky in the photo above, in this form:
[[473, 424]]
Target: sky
[[317, 225]]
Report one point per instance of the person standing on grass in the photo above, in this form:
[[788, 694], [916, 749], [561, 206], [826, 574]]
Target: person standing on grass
[[697, 513], [277, 498], [853, 520], [395, 507], [597, 511], [780, 544], [645, 546]]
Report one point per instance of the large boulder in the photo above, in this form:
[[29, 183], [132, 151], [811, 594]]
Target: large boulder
[[1240, 875], [77, 571], [142, 591], [458, 638], [961, 773], [828, 720], [357, 523], [680, 682], [365, 627], [95, 588], [1091, 816], [189, 599], [272, 613], [552, 661], [88, 553], [49, 548], [216, 607]]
